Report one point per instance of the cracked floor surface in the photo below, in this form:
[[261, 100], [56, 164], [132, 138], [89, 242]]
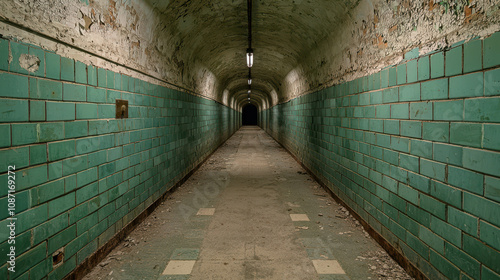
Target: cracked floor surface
[[250, 212]]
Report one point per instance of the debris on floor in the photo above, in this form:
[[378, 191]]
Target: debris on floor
[[129, 241], [381, 264], [321, 194], [331, 233]]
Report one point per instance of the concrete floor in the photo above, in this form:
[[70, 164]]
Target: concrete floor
[[250, 212]]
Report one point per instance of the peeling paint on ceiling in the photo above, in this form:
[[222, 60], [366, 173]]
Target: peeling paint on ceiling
[[299, 45]]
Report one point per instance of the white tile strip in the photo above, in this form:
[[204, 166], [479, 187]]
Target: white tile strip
[[299, 217], [206, 212], [328, 267], [175, 267]]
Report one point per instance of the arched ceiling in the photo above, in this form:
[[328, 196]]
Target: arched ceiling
[[199, 45], [212, 35]]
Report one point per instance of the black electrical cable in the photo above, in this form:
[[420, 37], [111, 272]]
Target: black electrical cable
[[249, 15], [249, 11]]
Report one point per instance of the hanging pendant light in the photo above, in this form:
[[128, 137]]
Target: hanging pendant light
[[249, 57], [249, 49]]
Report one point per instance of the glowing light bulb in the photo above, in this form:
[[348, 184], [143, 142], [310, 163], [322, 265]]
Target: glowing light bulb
[[249, 57]]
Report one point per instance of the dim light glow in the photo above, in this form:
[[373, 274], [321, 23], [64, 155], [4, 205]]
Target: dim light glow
[[249, 81]]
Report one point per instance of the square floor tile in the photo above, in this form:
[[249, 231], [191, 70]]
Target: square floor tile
[[299, 217], [179, 268], [206, 212], [185, 254], [328, 267]]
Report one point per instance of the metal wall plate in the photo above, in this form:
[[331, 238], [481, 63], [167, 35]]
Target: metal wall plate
[[121, 109]]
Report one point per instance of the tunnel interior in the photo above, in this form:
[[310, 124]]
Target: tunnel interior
[[249, 115], [107, 107]]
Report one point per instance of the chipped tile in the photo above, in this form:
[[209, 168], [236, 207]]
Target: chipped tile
[[179, 268], [299, 217], [328, 267], [206, 212]]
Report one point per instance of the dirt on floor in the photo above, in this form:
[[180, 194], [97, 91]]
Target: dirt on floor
[[253, 212]]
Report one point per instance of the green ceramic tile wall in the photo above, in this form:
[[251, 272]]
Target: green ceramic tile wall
[[434, 142], [82, 175]]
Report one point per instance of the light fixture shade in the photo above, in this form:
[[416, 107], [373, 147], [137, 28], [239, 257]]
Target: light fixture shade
[[249, 81], [249, 98], [249, 57], [249, 91]]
